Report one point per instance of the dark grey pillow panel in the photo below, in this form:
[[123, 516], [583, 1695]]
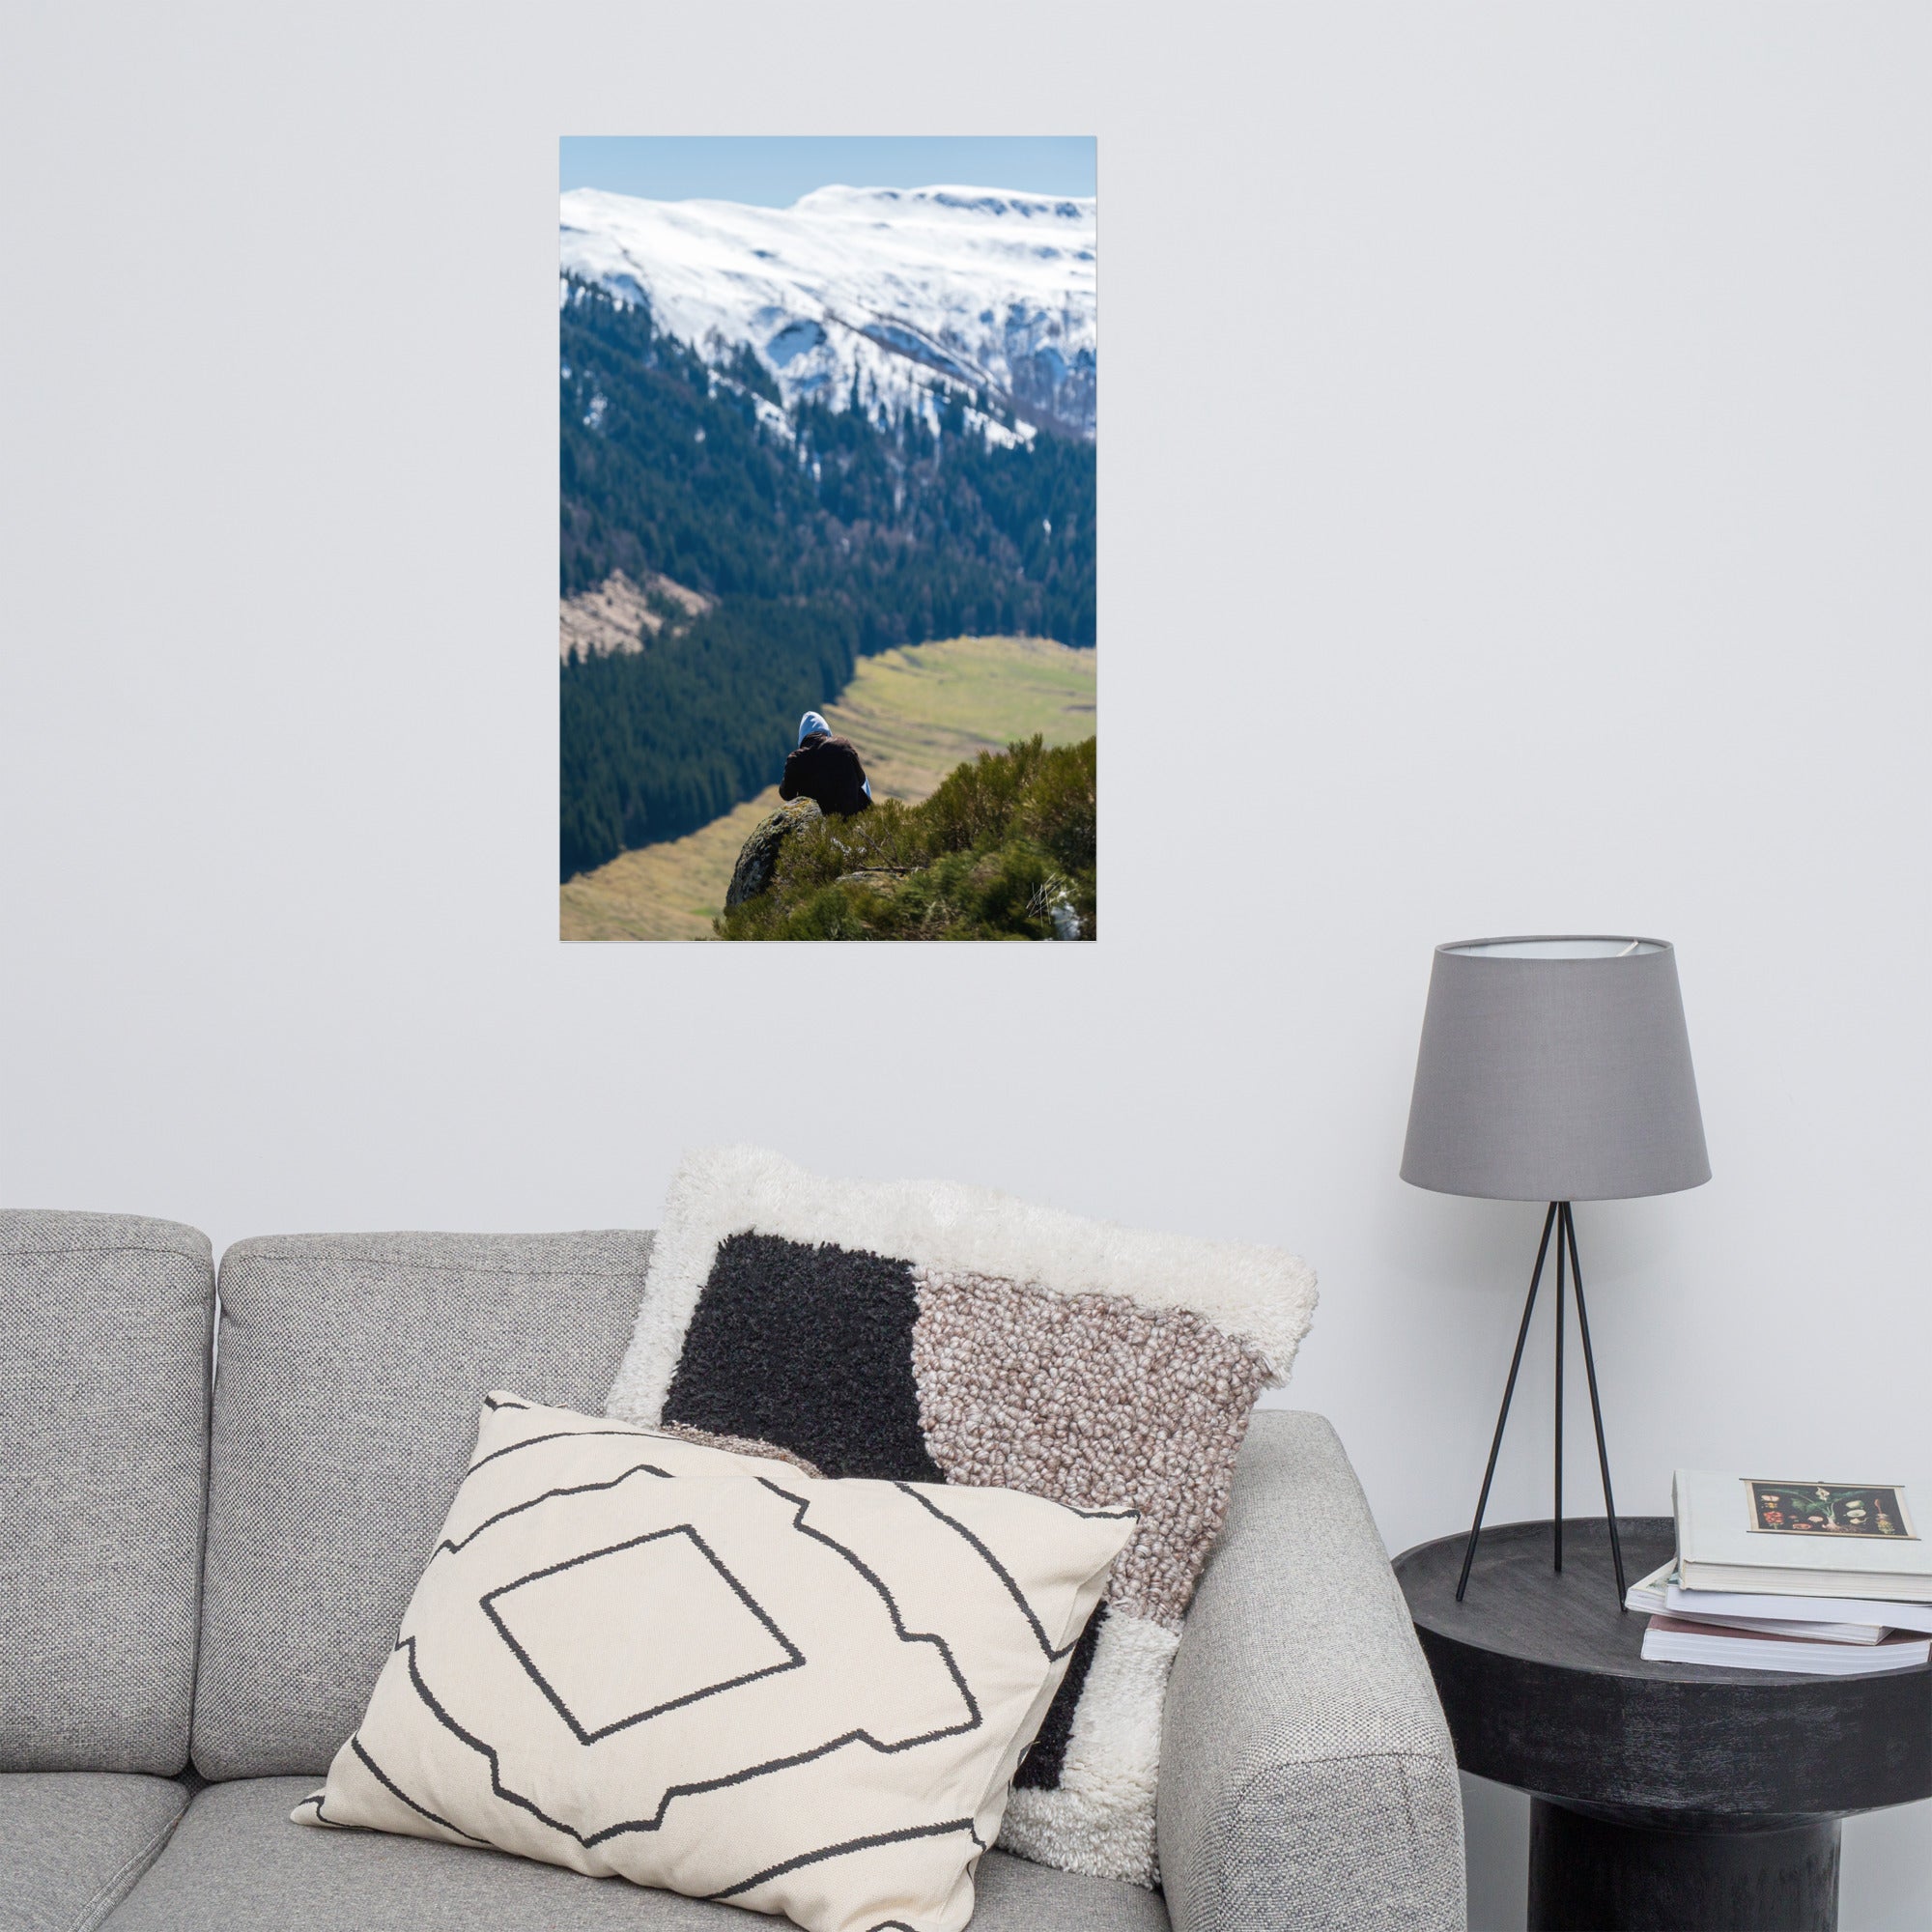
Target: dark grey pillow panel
[[351, 1370], [73, 1842], [104, 1407]]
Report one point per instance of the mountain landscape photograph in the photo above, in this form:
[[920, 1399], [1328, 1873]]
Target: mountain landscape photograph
[[827, 629]]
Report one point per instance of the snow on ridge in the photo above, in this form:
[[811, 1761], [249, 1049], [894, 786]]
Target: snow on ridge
[[913, 292], [952, 202]]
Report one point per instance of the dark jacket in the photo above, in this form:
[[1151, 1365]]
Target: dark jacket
[[827, 769]]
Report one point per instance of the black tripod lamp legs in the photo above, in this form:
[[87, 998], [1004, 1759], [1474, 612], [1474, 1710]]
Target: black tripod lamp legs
[[1509, 1389], [1596, 1407], [1561, 1222]]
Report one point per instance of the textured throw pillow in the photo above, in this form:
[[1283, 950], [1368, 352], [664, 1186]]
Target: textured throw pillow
[[637, 1655], [925, 1332]]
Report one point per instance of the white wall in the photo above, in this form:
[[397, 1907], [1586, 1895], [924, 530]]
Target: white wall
[[1515, 475]]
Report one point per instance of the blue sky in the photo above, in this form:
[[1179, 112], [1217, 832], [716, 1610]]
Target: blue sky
[[773, 170]]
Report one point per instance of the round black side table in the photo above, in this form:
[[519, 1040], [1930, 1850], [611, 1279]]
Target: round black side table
[[1671, 1797]]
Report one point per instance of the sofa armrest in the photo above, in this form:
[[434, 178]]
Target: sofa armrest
[[1307, 1779]]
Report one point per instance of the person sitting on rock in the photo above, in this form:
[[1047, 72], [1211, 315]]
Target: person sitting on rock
[[826, 769]]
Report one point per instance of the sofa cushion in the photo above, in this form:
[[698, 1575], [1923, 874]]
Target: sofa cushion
[[103, 1409], [71, 1842], [352, 1368], [237, 1864]]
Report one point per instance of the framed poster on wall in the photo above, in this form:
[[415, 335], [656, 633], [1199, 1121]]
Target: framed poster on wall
[[827, 516]]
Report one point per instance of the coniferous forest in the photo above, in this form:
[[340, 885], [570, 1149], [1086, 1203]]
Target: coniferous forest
[[823, 535]]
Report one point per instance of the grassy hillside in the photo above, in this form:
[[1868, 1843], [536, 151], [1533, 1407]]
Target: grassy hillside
[[915, 714], [1004, 849]]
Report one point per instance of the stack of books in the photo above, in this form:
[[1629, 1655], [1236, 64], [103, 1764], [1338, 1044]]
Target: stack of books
[[1827, 1578]]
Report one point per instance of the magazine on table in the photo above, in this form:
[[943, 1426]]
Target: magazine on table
[[1846, 1619], [1678, 1640]]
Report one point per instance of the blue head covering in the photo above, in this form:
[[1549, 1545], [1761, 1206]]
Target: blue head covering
[[812, 722]]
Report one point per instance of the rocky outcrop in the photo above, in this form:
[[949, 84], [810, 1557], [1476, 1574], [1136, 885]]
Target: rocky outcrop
[[759, 857]]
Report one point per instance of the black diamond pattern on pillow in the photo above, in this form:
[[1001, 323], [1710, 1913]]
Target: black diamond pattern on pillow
[[605, 1674], [809, 1348]]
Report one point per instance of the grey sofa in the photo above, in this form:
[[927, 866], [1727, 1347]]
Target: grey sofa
[[200, 1574]]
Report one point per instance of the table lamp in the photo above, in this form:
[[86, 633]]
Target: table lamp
[[1554, 1069]]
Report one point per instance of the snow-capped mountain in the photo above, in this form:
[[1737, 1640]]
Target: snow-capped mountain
[[913, 292]]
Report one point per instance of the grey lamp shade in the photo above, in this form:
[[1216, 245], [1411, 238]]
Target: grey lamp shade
[[1555, 1069]]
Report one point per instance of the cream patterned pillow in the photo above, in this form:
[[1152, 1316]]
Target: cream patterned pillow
[[637, 1655]]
